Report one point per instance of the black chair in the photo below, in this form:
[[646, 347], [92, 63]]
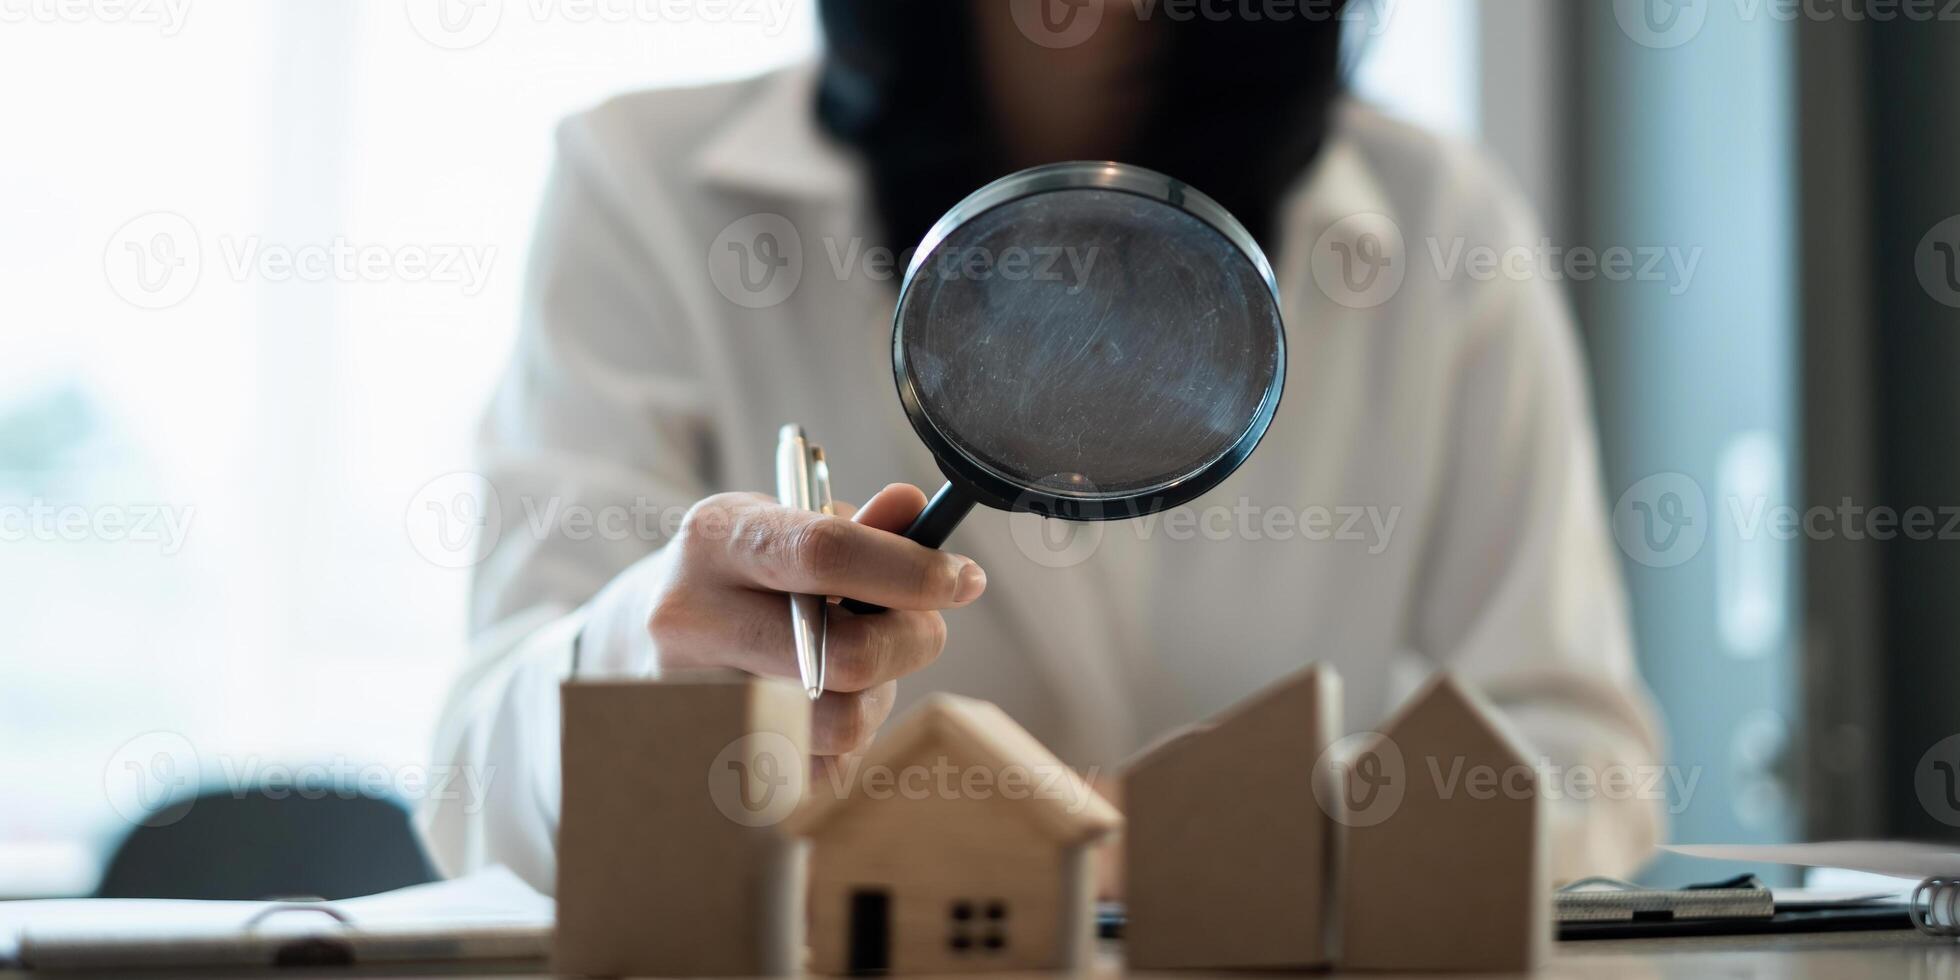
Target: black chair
[[253, 846]]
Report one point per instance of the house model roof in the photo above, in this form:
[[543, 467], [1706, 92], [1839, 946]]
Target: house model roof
[[1445, 704], [974, 733], [1292, 697]]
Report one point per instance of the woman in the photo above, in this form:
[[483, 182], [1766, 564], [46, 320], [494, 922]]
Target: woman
[[1427, 496]]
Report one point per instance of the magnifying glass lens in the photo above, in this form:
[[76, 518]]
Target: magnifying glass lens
[[1089, 343]]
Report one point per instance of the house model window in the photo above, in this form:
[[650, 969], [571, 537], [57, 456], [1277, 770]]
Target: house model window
[[977, 925]]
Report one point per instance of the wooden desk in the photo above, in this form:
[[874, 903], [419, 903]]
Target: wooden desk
[[1901, 954], [1891, 955]]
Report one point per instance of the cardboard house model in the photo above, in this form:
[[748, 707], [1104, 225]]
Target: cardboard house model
[[1229, 858], [957, 842], [672, 859], [1449, 873]]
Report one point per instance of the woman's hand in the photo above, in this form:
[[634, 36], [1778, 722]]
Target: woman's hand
[[714, 597]]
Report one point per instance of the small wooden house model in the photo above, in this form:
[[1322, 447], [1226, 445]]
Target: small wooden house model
[[1229, 857], [1453, 875], [957, 842], [672, 858]]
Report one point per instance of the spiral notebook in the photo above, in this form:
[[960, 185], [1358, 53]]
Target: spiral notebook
[[1934, 904]]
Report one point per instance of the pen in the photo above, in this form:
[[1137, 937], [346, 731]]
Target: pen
[[803, 483], [820, 501]]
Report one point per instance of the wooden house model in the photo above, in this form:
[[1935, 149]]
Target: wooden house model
[[956, 843], [672, 857], [1229, 858], [1454, 878]]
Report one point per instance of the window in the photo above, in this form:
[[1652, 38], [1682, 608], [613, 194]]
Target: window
[[980, 925], [209, 431], [1417, 61]]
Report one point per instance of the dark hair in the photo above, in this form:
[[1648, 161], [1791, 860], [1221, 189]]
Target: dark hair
[[1239, 106]]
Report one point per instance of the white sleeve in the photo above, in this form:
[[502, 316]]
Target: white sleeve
[[595, 442], [1521, 591]]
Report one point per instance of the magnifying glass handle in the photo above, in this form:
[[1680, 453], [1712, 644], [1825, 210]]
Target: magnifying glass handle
[[943, 513]]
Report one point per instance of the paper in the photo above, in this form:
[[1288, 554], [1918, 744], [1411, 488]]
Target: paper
[[1895, 858], [491, 896], [1842, 886], [489, 913], [1817, 898]]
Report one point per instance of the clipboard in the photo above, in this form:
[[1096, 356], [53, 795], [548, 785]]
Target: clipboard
[[490, 916], [1609, 908], [1735, 907], [1873, 917]]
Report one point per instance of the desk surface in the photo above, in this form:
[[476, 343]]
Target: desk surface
[[1888, 955]]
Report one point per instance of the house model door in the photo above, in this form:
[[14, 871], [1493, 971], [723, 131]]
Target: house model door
[[870, 936]]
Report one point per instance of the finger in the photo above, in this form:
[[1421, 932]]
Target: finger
[[784, 550], [849, 511], [863, 652], [892, 509], [844, 721], [830, 774], [751, 631]]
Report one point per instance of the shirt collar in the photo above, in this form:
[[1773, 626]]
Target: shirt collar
[[773, 145], [1339, 183]]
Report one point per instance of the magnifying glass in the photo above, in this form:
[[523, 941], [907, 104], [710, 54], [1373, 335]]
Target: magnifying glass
[[1085, 341]]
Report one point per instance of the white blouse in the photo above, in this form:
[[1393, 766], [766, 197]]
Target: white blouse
[[1427, 496]]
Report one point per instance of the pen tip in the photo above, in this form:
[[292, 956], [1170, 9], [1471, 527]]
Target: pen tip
[[813, 691]]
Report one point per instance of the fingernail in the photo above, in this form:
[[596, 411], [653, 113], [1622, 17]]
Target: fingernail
[[973, 581]]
